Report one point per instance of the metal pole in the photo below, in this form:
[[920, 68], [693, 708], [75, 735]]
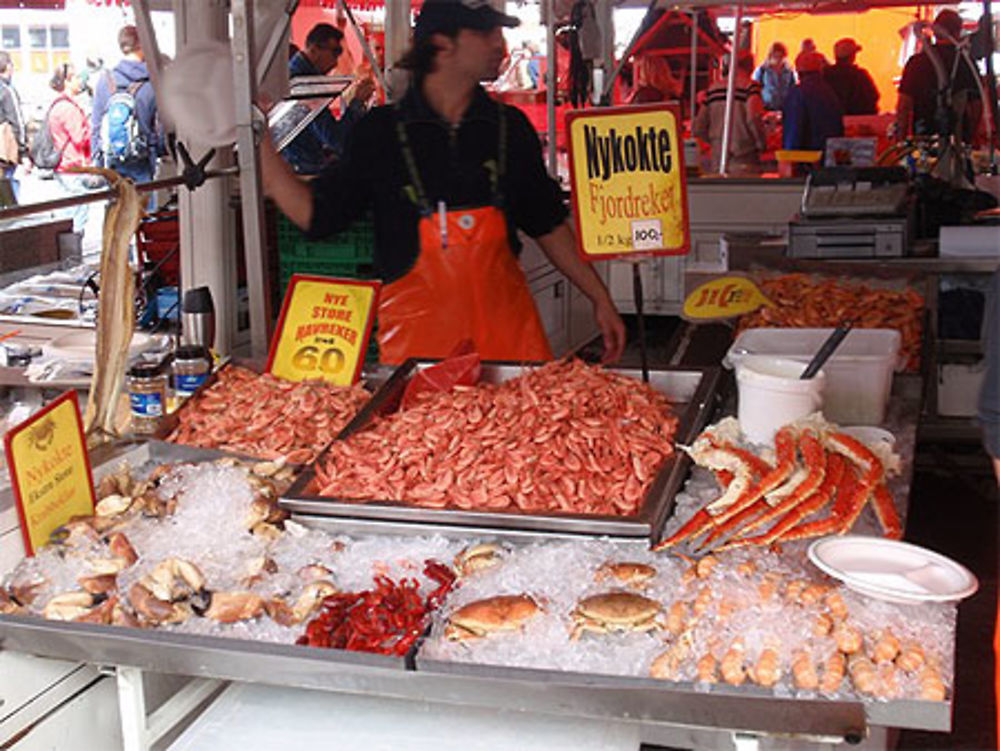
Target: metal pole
[[245, 89], [101, 195], [727, 122], [639, 33], [693, 69], [274, 41], [550, 82], [366, 48], [397, 37], [640, 319], [991, 83], [147, 38]]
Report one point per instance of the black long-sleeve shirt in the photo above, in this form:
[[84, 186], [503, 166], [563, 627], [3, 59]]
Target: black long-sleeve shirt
[[10, 110], [454, 165], [989, 397]]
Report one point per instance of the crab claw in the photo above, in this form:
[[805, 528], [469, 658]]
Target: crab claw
[[229, 607]]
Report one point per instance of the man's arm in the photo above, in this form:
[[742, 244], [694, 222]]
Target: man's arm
[[871, 95], [289, 191], [101, 95], [792, 121], [904, 116], [560, 247]]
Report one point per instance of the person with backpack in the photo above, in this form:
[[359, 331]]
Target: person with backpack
[[12, 145], [69, 135], [124, 125]]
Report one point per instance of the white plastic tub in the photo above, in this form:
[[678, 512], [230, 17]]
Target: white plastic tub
[[858, 375], [772, 394]]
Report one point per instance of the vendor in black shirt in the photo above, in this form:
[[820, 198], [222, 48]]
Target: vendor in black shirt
[[922, 103], [852, 84], [450, 174]]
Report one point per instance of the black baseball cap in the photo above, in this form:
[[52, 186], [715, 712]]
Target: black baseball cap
[[450, 15]]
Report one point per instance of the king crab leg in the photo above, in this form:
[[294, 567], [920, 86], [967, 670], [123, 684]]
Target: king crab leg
[[816, 502], [740, 464], [814, 458], [725, 522]]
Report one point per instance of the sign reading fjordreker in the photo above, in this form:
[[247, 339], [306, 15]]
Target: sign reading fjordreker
[[629, 190]]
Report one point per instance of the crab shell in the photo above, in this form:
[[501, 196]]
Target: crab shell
[[627, 573], [615, 611], [477, 558], [483, 617]]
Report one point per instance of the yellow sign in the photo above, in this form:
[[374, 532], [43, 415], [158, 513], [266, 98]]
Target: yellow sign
[[323, 330], [50, 470], [725, 297], [629, 189]]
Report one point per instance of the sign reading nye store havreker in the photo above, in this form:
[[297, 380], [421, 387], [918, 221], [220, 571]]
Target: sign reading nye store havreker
[[323, 330], [629, 190]]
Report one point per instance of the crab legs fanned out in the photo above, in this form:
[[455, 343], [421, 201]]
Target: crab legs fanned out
[[781, 498], [740, 472], [752, 478]]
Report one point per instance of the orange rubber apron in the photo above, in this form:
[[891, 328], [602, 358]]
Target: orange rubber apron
[[466, 283], [996, 670]]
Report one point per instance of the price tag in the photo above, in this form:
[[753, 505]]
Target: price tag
[[725, 297], [323, 330], [50, 470], [629, 189]]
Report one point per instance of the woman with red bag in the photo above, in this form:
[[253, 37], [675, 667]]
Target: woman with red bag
[[70, 128]]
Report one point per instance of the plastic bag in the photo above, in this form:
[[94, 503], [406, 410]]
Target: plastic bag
[[461, 368]]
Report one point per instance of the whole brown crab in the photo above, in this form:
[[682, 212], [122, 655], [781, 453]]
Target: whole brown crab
[[484, 617], [616, 611], [626, 573]]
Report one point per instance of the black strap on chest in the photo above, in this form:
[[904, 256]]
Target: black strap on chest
[[415, 190]]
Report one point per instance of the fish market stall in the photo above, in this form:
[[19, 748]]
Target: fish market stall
[[191, 566]]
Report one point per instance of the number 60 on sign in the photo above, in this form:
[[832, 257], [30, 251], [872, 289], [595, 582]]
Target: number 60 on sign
[[323, 330]]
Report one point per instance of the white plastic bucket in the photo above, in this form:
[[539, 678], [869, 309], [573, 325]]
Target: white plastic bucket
[[772, 394], [858, 374]]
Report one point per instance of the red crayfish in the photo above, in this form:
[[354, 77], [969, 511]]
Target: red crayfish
[[387, 619]]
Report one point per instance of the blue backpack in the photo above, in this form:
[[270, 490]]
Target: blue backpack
[[122, 139]]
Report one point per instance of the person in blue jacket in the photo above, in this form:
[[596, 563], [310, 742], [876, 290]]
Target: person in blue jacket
[[812, 111], [776, 79], [130, 78], [324, 139]]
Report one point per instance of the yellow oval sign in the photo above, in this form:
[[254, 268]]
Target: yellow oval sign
[[725, 297]]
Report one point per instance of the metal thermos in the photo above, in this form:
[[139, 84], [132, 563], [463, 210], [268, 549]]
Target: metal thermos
[[198, 318]]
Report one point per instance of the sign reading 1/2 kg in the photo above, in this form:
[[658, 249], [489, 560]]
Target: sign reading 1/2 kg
[[323, 330], [49, 470], [629, 190]]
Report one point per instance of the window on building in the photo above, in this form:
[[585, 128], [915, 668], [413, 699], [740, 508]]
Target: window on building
[[59, 37], [38, 37], [11, 38]]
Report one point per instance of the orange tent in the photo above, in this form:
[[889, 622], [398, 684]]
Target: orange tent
[[877, 31]]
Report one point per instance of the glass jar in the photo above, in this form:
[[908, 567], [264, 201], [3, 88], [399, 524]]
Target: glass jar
[[191, 367], [147, 395]]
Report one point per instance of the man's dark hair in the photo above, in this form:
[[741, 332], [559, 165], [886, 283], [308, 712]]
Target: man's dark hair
[[419, 59], [128, 40], [323, 33], [4, 60], [951, 22], [60, 76]]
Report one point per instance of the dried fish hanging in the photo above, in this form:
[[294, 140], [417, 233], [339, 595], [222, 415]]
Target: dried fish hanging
[[116, 307]]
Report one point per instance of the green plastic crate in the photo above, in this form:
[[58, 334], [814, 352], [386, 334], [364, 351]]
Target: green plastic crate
[[355, 244], [338, 269]]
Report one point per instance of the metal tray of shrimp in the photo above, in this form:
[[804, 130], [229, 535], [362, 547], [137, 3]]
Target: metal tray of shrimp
[[372, 379], [692, 391]]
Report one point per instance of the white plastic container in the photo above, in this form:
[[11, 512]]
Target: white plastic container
[[858, 375], [773, 394]]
